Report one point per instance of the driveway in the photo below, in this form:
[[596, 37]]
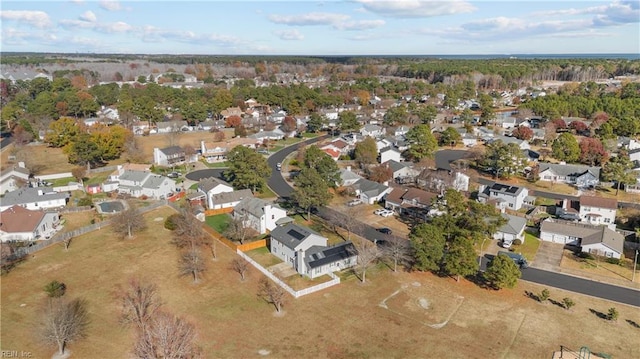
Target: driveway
[[548, 256]]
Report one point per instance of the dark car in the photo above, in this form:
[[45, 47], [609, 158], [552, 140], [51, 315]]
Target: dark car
[[384, 230]]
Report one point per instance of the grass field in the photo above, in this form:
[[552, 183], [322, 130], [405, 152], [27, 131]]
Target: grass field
[[345, 321]]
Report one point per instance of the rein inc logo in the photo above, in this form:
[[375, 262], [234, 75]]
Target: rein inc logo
[[15, 354]]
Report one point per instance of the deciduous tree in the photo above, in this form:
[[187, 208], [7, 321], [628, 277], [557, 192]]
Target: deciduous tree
[[192, 264], [380, 173], [125, 223], [326, 167], [64, 322], [523, 133], [397, 250], [449, 137], [272, 293], [566, 148], [366, 152], [367, 255], [592, 152], [568, 303], [348, 121], [167, 337], [140, 303], [240, 266], [289, 124]]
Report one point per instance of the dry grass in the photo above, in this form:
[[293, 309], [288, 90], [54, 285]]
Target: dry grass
[[148, 143], [600, 270], [41, 158], [76, 220], [345, 321]]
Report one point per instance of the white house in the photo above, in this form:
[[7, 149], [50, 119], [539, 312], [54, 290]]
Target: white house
[[390, 154], [598, 240], [172, 126], [512, 230], [212, 186], [142, 183], [374, 131], [504, 196], [579, 175], [12, 178], [172, 156], [20, 224], [369, 191], [348, 177], [598, 211], [307, 252], [259, 214], [34, 198]]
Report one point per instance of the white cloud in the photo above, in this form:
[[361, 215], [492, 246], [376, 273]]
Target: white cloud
[[88, 16], [103, 27], [12, 36], [155, 34], [110, 5], [616, 13], [416, 8], [289, 35], [39, 19], [309, 19], [77, 2], [359, 25]]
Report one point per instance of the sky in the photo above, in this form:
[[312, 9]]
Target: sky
[[305, 27]]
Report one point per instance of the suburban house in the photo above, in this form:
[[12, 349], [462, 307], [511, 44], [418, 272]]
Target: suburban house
[[259, 214], [228, 199], [402, 171], [578, 175], [12, 178], [504, 196], [410, 201], [374, 131], [231, 111], [522, 144], [307, 251], [390, 154], [598, 211], [634, 155], [334, 154], [212, 186], [598, 240], [369, 191], [21, 224], [439, 180], [401, 130], [512, 230], [34, 198], [172, 156], [339, 146], [348, 177], [172, 126], [262, 136], [142, 183]]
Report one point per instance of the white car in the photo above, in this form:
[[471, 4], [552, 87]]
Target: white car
[[379, 211], [386, 213]]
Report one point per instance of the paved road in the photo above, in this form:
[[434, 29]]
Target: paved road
[[570, 283]]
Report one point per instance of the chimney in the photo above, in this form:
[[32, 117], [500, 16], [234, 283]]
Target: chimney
[[40, 192], [349, 168]]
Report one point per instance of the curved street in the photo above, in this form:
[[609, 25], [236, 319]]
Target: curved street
[[579, 285]]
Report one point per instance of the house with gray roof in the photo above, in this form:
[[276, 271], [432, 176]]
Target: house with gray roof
[[503, 196], [34, 198], [211, 187], [258, 214], [512, 230], [228, 199], [522, 144], [143, 183], [13, 177], [369, 191], [579, 175], [597, 240], [348, 177], [307, 251], [374, 131], [172, 126], [172, 156], [402, 170]]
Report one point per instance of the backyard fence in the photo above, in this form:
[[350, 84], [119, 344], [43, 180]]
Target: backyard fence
[[102, 169], [295, 293], [214, 212]]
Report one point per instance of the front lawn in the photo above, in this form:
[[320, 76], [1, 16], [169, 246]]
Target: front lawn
[[530, 246], [219, 222]]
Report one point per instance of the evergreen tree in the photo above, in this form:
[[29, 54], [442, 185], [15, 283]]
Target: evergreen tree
[[310, 190], [502, 272], [460, 258], [427, 242], [422, 143], [566, 148], [247, 169]]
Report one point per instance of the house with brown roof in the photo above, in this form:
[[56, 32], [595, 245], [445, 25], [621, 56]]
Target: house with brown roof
[[410, 201], [598, 240], [598, 211], [21, 224]]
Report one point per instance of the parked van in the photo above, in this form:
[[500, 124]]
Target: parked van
[[517, 258]]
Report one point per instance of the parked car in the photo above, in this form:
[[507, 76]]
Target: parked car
[[385, 230], [278, 166], [386, 213], [379, 211], [173, 175], [354, 202]]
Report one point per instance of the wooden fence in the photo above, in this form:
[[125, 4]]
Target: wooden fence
[[214, 212], [234, 246]]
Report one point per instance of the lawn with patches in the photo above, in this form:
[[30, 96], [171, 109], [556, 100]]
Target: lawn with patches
[[62, 181], [530, 246], [219, 222], [98, 178], [344, 321], [266, 193], [263, 257]]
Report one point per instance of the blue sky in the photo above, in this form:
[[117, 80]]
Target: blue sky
[[353, 27]]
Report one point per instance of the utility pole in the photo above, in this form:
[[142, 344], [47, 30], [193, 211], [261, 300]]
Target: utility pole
[[635, 263]]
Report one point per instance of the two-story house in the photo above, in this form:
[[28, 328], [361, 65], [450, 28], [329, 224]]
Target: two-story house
[[504, 196], [598, 211], [307, 251], [171, 156], [143, 183], [259, 214], [213, 186], [594, 239], [390, 153], [410, 201], [369, 191]]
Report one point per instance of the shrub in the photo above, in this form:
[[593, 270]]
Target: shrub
[[85, 201], [585, 255], [518, 242], [170, 222], [544, 295], [144, 197], [55, 289], [613, 314], [615, 261], [568, 303], [294, 163]]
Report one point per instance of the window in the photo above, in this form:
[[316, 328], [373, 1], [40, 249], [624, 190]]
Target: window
[[511, 205], [607, 220], [273, 216]]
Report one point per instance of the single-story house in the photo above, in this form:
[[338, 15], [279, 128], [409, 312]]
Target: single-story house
[[34, 198], [21, 224], [402, 171], [12, 178], [579, 175], [348, 177], [372, 131], [598, 240], [228, 199], [410, 201], [369, 191], [512, 230]]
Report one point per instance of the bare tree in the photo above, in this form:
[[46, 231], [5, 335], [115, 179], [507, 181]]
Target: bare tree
[[67, 243], [167, 337], [192, 264], [64, 322], [213, 247], [348, 220], [272, 293], [397, 250], [140, 303], [189, 232], [79, 173], [240, 265], [173, 136], [238, 230], [367, 255], [126, 222]]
